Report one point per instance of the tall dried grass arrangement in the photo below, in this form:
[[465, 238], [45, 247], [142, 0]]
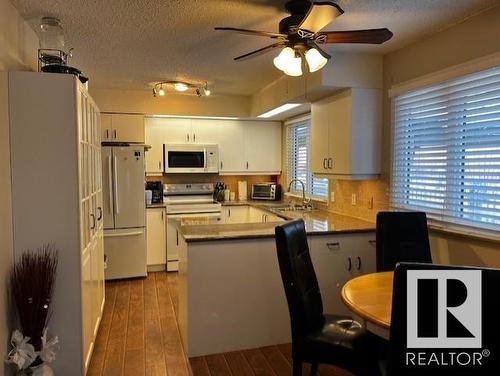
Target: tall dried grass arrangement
[[32, 283]]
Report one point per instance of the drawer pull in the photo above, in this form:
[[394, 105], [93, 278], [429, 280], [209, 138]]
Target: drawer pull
[[333, 246], [372, 241], [359, 263], [349, 267]]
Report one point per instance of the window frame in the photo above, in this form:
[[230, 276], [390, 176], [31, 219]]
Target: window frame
[[309, 183]]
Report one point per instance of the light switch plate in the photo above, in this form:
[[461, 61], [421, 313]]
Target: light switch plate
[[353, 199]]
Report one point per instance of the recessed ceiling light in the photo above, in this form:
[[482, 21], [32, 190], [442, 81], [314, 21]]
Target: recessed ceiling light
[[278, 110]]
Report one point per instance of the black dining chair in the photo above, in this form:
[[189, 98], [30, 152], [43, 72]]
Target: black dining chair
[[318, 338], [490, 308], [401, 237]]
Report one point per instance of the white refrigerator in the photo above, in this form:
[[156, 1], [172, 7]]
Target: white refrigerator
[[124, 211]]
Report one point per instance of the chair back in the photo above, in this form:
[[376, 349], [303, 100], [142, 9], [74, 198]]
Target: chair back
[[402, 237], [426, 323], [299, 279]]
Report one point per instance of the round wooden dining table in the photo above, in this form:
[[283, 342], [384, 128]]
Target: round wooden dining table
[[369, 297]]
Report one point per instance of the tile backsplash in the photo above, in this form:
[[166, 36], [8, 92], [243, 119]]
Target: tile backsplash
[[230, 180]]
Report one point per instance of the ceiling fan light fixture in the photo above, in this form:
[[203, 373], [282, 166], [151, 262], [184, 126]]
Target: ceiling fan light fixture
[[282, 61], [180, 86], [294, 67], [315, 60]]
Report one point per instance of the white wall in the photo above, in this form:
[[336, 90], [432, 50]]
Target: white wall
[[18, 45]]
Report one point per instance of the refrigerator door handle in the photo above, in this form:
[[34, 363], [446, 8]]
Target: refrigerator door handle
[[115, 184], [110, 182], [123, 234]]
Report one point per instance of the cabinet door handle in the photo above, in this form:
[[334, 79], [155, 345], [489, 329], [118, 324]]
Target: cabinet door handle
[[159, 165], [194, 137], [187, 136], [349, 266], [324, 163], [99, 217], [114, 132], [93, 221], [107, 133], [162, 215], [229, 212], [372, 241], [221, 165], [359, 263], [247, 165], [333, 246], [177, 236], [330, 163]]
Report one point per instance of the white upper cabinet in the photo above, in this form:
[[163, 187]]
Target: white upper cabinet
[[175, 131], [245, 147], [203, 131], [231, 140], [263, 147], [345, 134], [122, 128]]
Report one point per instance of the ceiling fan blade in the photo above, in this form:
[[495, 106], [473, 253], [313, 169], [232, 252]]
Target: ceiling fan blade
[[321, 51], [320, 14], [260, 51], [252, 32], [372, 36]]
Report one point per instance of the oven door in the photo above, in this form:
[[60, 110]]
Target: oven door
[[187, 159]]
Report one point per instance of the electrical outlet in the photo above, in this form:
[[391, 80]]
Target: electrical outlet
[[353, 199], [370, 203], [332, 196]]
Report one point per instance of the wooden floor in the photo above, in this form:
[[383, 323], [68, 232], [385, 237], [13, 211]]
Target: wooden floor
[[139, 336]]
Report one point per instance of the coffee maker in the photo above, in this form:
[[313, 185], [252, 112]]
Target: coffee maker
[[157, 188]]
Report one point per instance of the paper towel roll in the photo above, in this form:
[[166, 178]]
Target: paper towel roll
[[242, 190]]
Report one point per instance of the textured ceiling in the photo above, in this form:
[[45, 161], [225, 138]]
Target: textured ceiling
[[131, 43]]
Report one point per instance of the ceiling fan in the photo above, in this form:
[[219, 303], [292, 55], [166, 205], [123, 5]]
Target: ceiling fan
[[300, 36]]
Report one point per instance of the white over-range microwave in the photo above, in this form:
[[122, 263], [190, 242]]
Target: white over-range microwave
[[191, 158]]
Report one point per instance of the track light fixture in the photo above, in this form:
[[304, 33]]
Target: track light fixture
[[159, 88]]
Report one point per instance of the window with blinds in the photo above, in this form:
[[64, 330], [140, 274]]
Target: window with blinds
[[447, 150], [299, 160]]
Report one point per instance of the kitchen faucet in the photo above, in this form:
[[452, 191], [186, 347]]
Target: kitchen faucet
[[305, 201]]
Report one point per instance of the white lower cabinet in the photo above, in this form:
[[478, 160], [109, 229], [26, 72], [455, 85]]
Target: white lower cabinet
[[337, 259], [247, 214], [156, 237]]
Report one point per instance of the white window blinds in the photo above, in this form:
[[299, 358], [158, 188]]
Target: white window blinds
[[299, 160], [447, 150]]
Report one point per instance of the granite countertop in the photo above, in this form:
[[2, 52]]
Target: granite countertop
[[317, 223]]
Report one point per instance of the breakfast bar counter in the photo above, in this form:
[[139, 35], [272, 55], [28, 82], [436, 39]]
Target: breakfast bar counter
[[231, 295]]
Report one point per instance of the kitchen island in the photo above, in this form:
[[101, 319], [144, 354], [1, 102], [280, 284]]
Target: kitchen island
[[230, 292]]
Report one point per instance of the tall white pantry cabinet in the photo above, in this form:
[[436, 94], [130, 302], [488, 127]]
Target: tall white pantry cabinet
[[57, 198]]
